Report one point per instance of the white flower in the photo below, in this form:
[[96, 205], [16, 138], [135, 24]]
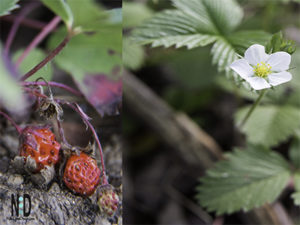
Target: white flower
[[261, 70]]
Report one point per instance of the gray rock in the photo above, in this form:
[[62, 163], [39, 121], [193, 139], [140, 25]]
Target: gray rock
[[15, 180], [48, 207]]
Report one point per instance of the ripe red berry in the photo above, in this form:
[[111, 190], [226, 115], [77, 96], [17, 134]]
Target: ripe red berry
[[82, 174], [40, 144]]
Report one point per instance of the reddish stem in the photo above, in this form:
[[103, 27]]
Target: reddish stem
[[53, 84], [26, 22], [12, 122], [16, 24], [47, 59], [46, 30], [96, 137]]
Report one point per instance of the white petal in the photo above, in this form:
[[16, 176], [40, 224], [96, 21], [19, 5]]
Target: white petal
[[256, 54], [279, 78], [242, 67], [279, 61], [258, 83]]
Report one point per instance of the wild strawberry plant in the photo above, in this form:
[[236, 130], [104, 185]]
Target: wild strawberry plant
[[255, 65], [84, 41]]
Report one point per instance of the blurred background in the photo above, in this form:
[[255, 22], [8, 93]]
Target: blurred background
[[177, 106]]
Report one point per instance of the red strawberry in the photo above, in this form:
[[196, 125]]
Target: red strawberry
[[81, 174], [40, 144]]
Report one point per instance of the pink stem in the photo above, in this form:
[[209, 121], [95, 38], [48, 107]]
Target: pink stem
[[47, 59], [53, 84], [97, 140], [46, 30], [26, 22], [16, 25], [12, 121]]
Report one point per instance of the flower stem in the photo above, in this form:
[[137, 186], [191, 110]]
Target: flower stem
[[12, 121], [252, 108], [53, 84], [47, 59], [46, 30]]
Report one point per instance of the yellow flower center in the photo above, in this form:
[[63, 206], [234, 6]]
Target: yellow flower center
[[262, 69]]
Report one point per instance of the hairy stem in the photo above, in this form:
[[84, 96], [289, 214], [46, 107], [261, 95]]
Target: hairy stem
[[252, 108], [46, 30], [47, 59], [52, 84], [12, 121]]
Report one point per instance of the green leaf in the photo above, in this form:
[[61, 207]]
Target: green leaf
[[133, 54], [90, 16], [7, 5], [10, 92], [194, 23], [62, 9], [247, 179], [294, 152], [241, 40], [197, 23], [269, 125], [34, 57], [134, 13], [296, 194], [97, 53]]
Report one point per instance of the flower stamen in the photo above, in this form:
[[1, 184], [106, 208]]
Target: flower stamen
[[262, 69]]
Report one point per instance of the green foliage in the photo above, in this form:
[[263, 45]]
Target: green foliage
[[134, 13], [7, 5], [277, 43], [98, 53], [10, 92], [34, 57], [296, 194], [197, 23], [294, 152], [62, 9], [269, 125], [133, 54], [247, 179], [89, 16]]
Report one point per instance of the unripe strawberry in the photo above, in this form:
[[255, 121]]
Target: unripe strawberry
[[108, 200], [82, 174], [39, 143]]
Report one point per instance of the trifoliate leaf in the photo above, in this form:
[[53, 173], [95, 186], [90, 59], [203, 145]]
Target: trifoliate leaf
[[62, 9], [269, 125], [245, 180], [33, 58], [7, 5]]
